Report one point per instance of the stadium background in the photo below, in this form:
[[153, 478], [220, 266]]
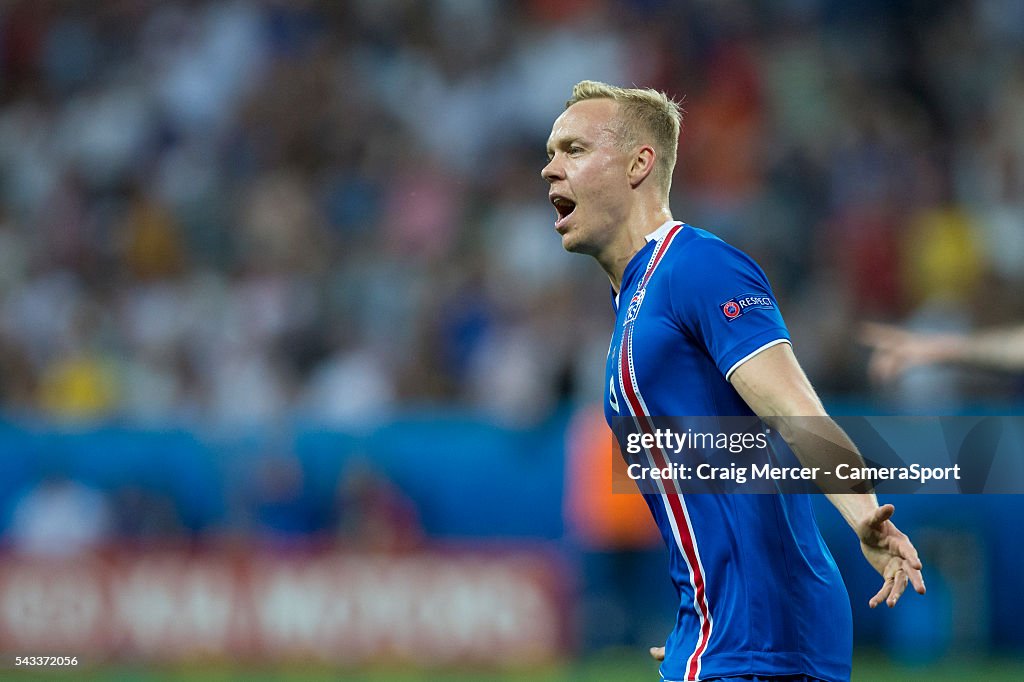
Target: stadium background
[[282, 313]]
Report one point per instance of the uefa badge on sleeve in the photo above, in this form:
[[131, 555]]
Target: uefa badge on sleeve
[[735, 307], [731, 310]]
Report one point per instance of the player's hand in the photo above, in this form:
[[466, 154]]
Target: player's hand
[[658, 653], [892, 554], [896, 350]]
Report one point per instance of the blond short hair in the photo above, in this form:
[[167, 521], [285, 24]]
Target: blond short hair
[[646, 115]]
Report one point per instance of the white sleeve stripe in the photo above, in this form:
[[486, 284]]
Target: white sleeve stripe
[[750, 355]]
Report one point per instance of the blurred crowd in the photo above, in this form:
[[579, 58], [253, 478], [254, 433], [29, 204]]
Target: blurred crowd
[[231, 211], [272, 502]]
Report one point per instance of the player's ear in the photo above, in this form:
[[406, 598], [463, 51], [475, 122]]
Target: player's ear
[[641, 165]]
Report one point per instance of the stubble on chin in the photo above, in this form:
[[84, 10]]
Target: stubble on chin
[[573, 243]]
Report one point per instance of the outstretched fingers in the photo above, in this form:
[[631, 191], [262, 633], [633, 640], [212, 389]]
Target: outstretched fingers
[[909, 554], [898, 586], [912, 564], [892, 554], [912, 568], [882, 593]]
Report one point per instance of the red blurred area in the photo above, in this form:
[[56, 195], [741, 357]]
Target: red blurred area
[[432, 607]]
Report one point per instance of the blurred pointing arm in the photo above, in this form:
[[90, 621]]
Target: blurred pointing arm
[[896, 350]]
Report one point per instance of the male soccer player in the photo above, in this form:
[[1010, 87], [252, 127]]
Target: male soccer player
[[698, 332]]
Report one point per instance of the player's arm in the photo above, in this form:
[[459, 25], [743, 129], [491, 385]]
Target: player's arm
[[896, 350], [777, 390]]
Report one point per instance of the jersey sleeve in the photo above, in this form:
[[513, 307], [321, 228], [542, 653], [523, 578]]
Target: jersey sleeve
[[722, 298]]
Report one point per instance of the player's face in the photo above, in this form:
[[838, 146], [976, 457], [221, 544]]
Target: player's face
[[587, 174]]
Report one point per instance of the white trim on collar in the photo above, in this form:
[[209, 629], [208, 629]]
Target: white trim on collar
[[653, 237], [661, 231]]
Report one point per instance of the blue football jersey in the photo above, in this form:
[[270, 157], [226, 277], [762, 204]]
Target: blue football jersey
[[759, 592]]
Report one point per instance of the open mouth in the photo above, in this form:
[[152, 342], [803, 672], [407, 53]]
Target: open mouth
[[564, 208]]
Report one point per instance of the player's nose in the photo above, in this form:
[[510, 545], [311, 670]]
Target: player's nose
[[551, 172]]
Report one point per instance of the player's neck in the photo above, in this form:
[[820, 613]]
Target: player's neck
[[630, 239]]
